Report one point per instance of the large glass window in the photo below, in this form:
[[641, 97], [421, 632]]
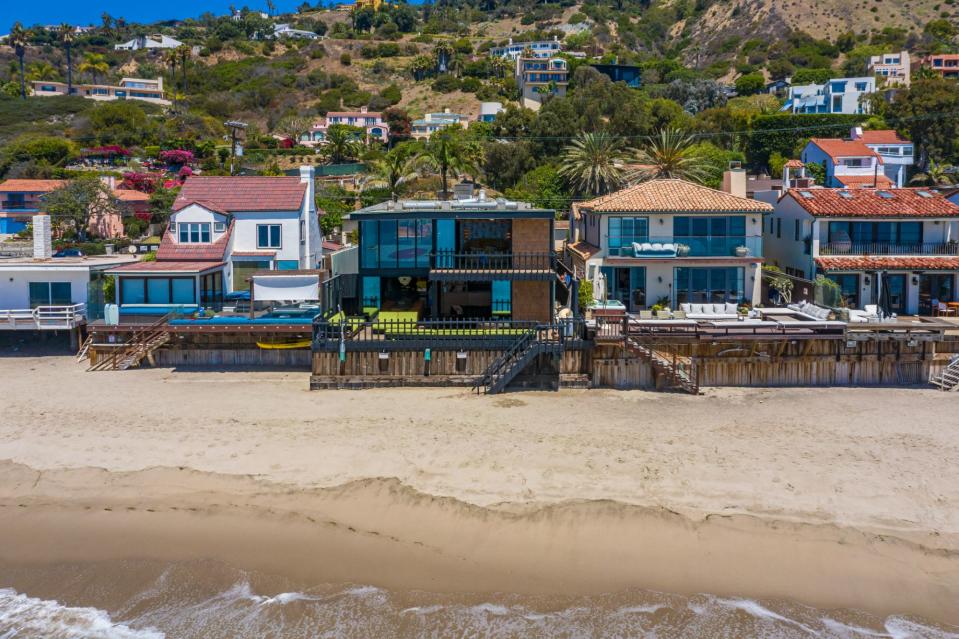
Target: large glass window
[[158, 290], [181, 290], [132, 290], [268, 236], [708, 285], [194, 232], [388, 244], [901, 233], [50, 294], [848, 288], [407, 244], [713, 235], [369, 244], [623, 231], [502, 298]]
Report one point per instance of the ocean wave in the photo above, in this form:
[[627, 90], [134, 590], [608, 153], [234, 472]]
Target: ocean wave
[[24, 617]]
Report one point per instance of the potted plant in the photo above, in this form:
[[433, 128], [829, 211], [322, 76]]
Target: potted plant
[[682, 250], [741, 251]]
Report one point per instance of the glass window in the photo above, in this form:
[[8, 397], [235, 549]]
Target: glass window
[[194, 232], [49, 294], [424, 242], [369, 244], [158, 290], [371, 292], [287, 265], [388, 244], [406, 244], [623, 231], [60, 294], [268, 236], [502, 297], [708, 285], [182, 290], [132, 290], [848, 288], [910, 233]]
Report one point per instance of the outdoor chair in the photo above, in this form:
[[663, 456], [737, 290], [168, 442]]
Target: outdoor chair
[[680, 315], [645, 315], [663, 315], [944, 309]]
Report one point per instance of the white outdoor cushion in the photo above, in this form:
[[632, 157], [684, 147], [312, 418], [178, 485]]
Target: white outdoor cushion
[[695, 308], [685, 307], [730, 308]]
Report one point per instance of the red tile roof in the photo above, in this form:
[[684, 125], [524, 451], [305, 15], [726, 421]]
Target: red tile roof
[[30, 186], [355, 114], [887, 262], [130, 195], [836, 148], [672, 195], [886, 136], [794, 164], [879, 181], [166, 267], [171, 250], [254, 193], [870, 203], [331, 246]]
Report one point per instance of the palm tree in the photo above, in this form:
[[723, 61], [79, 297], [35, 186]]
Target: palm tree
[[184, 53], [668, 155], [95, 64], [170, 58], [107, 21], [270, 7], [67, 35], [592, 163], [421, 66], [341, 143], [450, 154], [18, 40], [936, 175], [392, 170], [443, 53], [43, 71]]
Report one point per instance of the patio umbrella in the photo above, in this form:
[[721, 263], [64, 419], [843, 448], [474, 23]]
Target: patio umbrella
[[883, 301]]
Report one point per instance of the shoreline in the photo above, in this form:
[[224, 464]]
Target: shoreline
[[383, 533]]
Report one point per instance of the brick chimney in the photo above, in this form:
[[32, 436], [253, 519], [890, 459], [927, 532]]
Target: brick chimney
[[42, 237], [734, 180]]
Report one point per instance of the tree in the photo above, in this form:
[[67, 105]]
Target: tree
[[506, 163], [811, 76], [593, 163], [184, 52], [449, 153], [95, 64], [936, 175], [122, 122], [400, 124], [929, 112], [18, 40], [170, 58], [292, 127], [392, 170], [43, 71], [669, 155], [78, 201], [750, 83], [66, 37], [342, 143], [542, 187]]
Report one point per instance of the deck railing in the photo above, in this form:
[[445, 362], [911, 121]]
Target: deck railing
[[515, 262], [889, 248], [54, 317], [359, 334]]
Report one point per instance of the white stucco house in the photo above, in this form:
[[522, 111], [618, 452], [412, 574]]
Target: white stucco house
[[838, 95], [155, 41], [221, 231]]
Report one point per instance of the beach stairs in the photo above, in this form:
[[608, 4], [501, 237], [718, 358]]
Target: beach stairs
[[520, 354], [141, 344], [84, 348], [675, 370], [948, 378]]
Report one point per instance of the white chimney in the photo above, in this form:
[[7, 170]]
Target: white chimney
[[855, 133], [42, 240], [734, 180]]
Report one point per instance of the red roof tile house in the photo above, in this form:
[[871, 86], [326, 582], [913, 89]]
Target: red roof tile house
[[908, 237], [690, 244], [221, 231], [847, 163]]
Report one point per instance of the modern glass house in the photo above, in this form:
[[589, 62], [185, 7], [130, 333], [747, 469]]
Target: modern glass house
[[477, 258]]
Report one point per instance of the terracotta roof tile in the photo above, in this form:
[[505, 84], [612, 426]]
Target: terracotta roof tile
[[794, 164], [887, 262], [130, 195], [836, 148], [584, 249], [171, 250], [253, 193], [672, 195], [870, 203], [172, 266], [30, 186], [886, 136], [865, 181]]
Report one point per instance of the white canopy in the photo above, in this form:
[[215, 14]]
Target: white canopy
[[298, 287]]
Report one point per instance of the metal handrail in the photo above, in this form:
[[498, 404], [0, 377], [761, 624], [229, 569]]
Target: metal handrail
[[136, 338], [889, 248], [527, 261]]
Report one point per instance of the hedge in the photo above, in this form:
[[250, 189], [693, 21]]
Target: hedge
[[784, 131]]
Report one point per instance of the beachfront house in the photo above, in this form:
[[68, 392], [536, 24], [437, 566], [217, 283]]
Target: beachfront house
[[838, 95], [39, 292], [905, 238], [221, 231], [672, 242], [472, 258]]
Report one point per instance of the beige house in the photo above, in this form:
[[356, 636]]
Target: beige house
[[127, 89]]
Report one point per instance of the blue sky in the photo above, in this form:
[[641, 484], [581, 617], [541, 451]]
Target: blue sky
[[87, 12]]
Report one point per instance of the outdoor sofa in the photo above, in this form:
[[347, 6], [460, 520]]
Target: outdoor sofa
[[709, 311]]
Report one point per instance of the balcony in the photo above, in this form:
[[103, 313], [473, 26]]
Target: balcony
[[694, 246], [486, 267], [887, 248]]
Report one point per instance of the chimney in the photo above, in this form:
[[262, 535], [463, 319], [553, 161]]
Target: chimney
[[42, 241], [855, 133], [734, 180]]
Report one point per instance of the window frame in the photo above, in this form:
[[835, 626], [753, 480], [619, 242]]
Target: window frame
[[187, 230], [270, 245]]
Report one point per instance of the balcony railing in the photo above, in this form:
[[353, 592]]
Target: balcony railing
[[483, 266], [697, 246], [888, 248], [43, 317]]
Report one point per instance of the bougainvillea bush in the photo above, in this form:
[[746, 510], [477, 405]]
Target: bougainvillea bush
[[177, 156]]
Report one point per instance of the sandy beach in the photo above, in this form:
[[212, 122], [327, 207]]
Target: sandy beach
[[836, 498]]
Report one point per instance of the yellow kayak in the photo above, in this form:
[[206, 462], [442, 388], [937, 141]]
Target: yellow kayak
[[300, 343]]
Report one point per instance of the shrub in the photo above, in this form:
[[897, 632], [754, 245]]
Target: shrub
[[446, 83], [345, 59]]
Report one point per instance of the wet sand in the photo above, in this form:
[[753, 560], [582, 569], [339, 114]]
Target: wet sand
[[831, 497]]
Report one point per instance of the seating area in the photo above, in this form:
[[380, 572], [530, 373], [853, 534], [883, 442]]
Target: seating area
[[812, 311], [654, 249], [694, 311]]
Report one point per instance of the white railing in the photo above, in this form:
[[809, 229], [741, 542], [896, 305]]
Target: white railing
[[43, 317]]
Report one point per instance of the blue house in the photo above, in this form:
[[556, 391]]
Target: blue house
[[628, 73]]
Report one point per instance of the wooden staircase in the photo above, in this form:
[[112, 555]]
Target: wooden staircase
[[84, 348], [140, 345], [507, 366], [948, 378], [677, 370]]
